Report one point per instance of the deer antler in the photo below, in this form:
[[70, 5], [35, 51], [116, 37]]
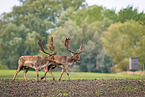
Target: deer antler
[[51, 47], [80, 50], [66, 45], [41, 46]]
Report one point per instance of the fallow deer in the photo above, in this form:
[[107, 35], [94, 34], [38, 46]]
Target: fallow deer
[[36, 62], [63, 61]]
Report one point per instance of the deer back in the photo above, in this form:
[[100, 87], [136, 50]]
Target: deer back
[[34, 60]]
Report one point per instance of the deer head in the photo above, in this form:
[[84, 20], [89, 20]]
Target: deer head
[[51, 47], [76, 55]]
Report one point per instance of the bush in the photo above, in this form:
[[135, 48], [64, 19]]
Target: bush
[[122, 66], [3, 66], [115, 69]]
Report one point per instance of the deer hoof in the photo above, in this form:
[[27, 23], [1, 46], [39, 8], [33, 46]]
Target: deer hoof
[[42, 77]]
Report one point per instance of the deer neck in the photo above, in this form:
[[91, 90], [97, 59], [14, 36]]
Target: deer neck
[[71, 60]]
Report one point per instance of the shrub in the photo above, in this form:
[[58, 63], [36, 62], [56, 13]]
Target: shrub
[[121, 66], [3, 66]]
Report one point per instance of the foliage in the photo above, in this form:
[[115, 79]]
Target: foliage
[[89, 28], [128, 14], [2, 67], [124, 40], [121, 66], [107, 35], [21, 28]]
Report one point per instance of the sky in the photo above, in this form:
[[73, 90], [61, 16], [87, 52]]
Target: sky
[[119, 4], [7, 5]]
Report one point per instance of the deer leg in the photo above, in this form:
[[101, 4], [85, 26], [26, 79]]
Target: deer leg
[[51, 73], [19, 69], [37, 74], [44, 74], [67, 73], [24, 74], [61, 74]]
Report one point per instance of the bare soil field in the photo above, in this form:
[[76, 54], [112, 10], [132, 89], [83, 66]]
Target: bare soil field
[[73, 88]]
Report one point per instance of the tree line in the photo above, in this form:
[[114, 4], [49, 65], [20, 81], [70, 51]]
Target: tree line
[[110, 38]]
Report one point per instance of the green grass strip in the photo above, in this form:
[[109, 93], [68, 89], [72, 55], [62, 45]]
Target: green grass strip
[[8, 74]]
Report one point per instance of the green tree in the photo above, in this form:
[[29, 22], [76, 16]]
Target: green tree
[[128, 14], [79, 25], [11, 41], [64, 32], [21, 28], [110, 14], [142, 18], [124, 40], [95, 58], [87, 15]]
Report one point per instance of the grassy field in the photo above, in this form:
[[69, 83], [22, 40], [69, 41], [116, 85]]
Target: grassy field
[[8, 74]]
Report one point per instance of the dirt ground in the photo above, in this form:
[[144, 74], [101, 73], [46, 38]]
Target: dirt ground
[[73, 88]]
